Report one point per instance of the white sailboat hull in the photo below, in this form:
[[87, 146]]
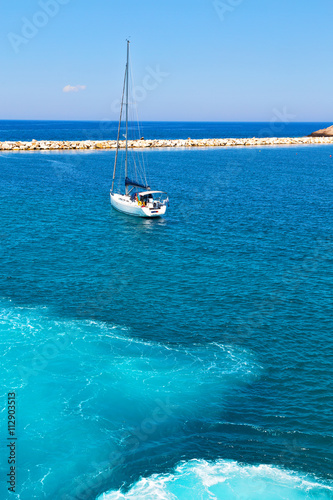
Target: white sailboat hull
[[124, 204]]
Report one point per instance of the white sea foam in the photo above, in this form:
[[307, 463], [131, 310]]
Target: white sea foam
[[227, 480]]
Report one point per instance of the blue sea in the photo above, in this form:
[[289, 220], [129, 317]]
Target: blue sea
[[187, 357], [279, 126]]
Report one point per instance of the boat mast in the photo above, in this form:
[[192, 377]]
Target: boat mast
[[118, 135], [126, 154]]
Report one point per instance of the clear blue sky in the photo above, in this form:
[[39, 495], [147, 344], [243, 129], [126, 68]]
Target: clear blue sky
[[226, 60]]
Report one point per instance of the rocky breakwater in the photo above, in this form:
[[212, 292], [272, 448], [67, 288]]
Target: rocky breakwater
[[162, 143]]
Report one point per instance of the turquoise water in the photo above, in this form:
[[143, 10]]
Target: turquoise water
[[185, 357]]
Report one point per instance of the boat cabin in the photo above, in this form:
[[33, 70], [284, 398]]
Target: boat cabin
[[150, 199]]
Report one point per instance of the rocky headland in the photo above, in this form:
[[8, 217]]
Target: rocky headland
[[324, 132], [35, 145]]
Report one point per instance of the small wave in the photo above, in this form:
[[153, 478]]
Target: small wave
[[227, 480], [161, 364]]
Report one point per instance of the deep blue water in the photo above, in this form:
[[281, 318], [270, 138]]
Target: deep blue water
[[280, 126], [194, 351]]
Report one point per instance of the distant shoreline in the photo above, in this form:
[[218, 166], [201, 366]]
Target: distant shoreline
[[35, 145]]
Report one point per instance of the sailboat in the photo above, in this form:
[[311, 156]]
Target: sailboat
[[135, 198]]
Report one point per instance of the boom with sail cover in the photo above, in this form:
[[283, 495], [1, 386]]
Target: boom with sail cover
[[129, 182]]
